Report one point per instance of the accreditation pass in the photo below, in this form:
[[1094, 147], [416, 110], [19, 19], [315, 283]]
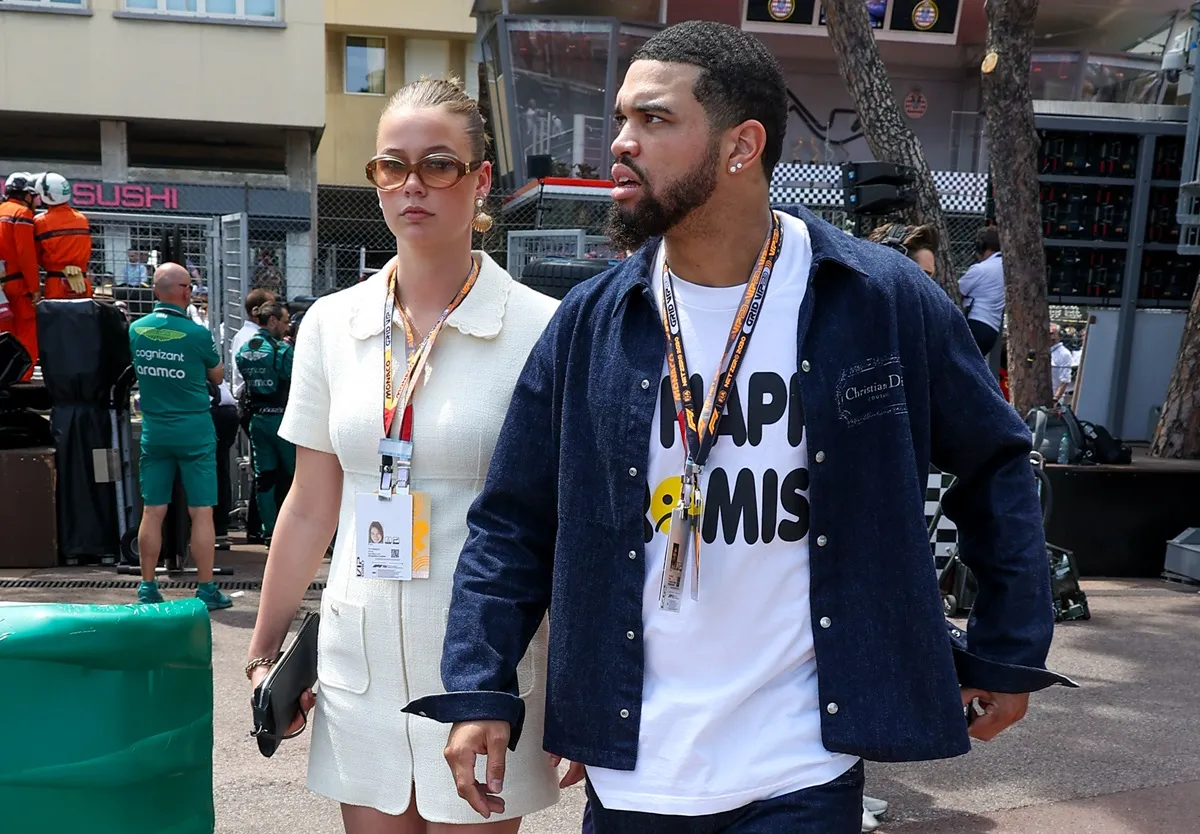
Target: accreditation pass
[[383, 541]]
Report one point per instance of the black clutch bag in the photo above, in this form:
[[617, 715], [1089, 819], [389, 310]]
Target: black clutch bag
[[277, 699]]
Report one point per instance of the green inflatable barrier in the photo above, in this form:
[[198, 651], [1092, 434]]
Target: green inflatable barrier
[[107, 719]]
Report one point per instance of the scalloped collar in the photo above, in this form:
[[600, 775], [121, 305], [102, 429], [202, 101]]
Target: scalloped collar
[[481, 313]]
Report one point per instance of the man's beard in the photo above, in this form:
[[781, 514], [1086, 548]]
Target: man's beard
[[628, 227]]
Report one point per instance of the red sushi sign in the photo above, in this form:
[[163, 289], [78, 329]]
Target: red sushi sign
[[124, 196]]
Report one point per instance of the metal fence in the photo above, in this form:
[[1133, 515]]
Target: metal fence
[[230, 253]]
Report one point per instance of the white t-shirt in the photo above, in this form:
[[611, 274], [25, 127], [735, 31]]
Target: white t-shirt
[[730, 709]]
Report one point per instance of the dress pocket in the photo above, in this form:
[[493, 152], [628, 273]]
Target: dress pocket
[[342, 647]]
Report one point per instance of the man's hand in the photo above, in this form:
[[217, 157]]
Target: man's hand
[[469, 739], [574, 772], [1001, 711]]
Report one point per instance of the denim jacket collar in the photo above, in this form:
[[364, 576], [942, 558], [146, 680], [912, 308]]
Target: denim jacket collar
[[828, 246]]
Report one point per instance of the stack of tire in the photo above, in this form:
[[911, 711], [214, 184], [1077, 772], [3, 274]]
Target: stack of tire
[[555, 276]]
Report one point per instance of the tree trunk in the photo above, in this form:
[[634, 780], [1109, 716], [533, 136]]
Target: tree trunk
[[1013, 148], [1178, 432], [887, 135]]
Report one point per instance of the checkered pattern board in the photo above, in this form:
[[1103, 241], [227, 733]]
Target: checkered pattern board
[[946, 535], [821, 186]]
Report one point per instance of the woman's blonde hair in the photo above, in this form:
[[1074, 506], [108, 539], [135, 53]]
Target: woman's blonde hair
[[448, 93]]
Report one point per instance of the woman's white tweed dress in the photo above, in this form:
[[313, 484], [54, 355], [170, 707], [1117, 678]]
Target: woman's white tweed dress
[[381, 641]]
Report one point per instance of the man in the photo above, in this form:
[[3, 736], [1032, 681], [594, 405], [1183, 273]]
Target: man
[[135, 270], [695, 596], [982, 289], [253, 300], [18, 263], [174, 359], [1062, 362], [64, 240], [265, 363]]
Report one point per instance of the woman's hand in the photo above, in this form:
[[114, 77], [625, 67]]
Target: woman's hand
[[308, 699]]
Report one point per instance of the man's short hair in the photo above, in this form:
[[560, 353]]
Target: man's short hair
[[987, 239], [256, 298], [739, 77]]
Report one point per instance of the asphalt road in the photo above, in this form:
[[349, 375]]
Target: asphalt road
[[1119, 756]]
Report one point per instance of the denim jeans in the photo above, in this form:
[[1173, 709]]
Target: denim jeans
[[832, 808]]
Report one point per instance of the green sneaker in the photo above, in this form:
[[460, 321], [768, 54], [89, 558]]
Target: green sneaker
[[212, 596], [148, 593]]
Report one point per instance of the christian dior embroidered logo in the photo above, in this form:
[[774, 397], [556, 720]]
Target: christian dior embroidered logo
[[871, 389]]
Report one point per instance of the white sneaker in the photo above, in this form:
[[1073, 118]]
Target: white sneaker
[[877, 807], [869, 823]]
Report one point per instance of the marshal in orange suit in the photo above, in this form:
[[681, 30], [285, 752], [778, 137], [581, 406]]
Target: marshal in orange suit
[[64, 241], [20, 267]]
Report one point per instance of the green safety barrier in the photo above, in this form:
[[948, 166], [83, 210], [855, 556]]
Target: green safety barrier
[[108, 719]]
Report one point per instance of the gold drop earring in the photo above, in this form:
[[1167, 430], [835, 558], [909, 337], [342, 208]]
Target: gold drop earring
[[483, 221]]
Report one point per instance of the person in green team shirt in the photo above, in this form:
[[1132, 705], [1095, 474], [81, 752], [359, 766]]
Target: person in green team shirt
[[174, 358], [265, 363]]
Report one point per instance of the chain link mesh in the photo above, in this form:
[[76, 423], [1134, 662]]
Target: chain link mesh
[[351, 241]]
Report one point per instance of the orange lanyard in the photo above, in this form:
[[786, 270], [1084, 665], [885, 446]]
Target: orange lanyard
[[418, 354]]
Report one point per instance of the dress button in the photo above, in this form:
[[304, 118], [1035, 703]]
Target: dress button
[[822, 541], [633, 554], [804, 366], [826, 622], [633, 471], [629, 634], [956, 632], [831, 709], [820, 457], [645, 384], [624, 713]]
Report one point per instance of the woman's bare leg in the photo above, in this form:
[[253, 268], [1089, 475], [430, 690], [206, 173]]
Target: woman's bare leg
[[359, 820]]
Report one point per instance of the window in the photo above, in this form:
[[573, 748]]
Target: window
[[47, 4], [366, 62], [245, 9], [560, 73]]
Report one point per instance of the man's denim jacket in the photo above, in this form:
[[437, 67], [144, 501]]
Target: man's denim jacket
[[890, 380]]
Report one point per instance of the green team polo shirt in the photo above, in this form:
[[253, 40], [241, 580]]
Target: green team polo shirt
[[171, 355]]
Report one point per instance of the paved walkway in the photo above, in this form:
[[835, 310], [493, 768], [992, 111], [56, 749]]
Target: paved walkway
[[1120, 756]]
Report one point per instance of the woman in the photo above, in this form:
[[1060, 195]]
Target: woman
[[381, 639], [265, 363], [920, 243]]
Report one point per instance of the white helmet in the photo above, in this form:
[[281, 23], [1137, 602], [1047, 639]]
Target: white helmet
[[53, 189], [18, 182]]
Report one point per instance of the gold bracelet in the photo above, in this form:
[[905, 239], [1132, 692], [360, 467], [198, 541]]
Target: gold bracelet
[[259, 661]]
